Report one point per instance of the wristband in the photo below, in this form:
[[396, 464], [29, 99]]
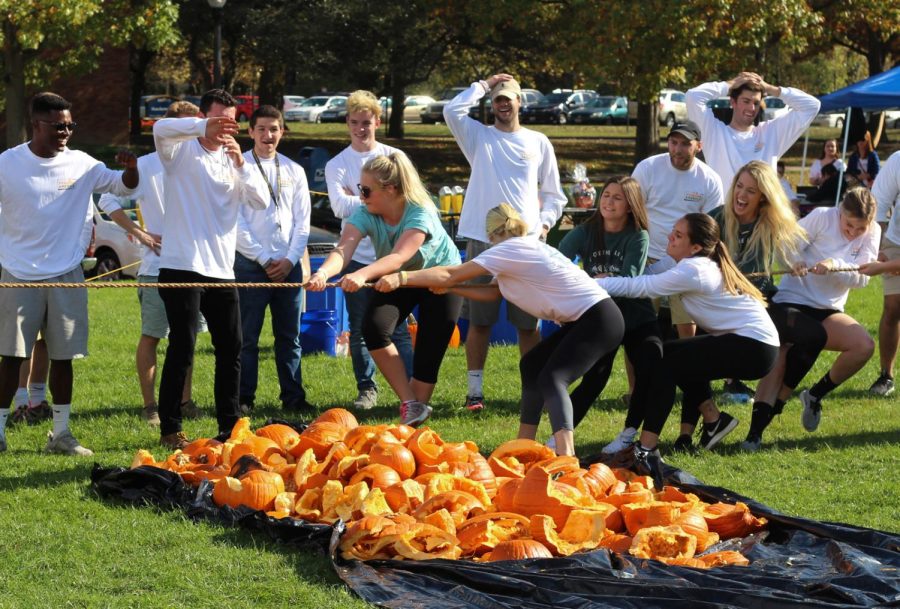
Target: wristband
[[402, 277]]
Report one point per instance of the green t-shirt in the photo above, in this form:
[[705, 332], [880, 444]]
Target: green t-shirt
[[438, 249], [754, 265], [623, 254]]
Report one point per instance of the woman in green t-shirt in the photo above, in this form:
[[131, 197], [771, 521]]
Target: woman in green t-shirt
[[614, 242]]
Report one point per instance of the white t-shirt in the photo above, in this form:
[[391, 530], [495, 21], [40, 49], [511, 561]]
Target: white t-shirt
[[815, 170], [203, 193], [826, 241], [539, 280], [518, 168], [48, 209], [671, 193], [887, 193], [726, 150], [280, 230], [150, 196], [344, 171], [699, 281]]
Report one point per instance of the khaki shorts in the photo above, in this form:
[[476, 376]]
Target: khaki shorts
[[154, 321], [59, 314], [481, 313], [891, 282]]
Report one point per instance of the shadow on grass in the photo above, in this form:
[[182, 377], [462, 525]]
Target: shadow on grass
[[79, 471], [814, 442]]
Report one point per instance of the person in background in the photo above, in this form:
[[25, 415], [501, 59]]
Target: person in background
[[787, 187], [827, 191], [829, 156], [864, 163], [342, 176]]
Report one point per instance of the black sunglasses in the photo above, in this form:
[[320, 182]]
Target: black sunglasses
[[364, 191], [60, 127]]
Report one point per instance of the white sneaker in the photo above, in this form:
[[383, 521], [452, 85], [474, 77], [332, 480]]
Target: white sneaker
[[66, 444], [622, 441]]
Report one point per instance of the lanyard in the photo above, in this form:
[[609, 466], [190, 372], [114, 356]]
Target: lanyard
[[275, 192]]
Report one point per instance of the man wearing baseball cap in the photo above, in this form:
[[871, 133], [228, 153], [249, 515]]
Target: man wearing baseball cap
[[510, 164]]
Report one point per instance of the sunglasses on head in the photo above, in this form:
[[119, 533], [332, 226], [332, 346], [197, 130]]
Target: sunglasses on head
[[60, 127], [364, 191]]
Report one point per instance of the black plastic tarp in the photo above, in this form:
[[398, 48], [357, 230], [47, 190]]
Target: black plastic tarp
[[795, 563]]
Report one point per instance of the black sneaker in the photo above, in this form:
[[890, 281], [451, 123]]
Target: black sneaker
[[649, 463], [713, 433], [684, 444], [883, 385]]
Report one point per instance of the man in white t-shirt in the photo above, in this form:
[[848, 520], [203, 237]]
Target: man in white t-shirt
[[887, 194], [206, 181], [270, 245], [46, 197], [727, 148], [154, 324], [510, 164], [342, 176]]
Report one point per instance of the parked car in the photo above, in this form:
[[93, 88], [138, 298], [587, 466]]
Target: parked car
[[892, 119], [113, 247], [835, 120], [529, 97], [434, 112], [336, 113], [246, 104], [557, 105], [310, 109], [605, 110], [672, 107], [413, 106], [774, 107], [289, 102]]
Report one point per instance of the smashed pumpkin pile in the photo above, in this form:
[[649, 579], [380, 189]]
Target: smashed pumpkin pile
[[406, 493]]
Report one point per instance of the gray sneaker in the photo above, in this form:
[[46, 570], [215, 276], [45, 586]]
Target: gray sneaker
[[812, 411], [883, 385], [414, 413], [367, 399], [66, 444], [752, 444], [150, 413]]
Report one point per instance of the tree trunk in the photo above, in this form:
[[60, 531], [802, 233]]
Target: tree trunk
[[138, 62], [395, 128], [14, 80], [647, 138], [271, 85]]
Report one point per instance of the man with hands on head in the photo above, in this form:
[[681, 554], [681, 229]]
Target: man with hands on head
[[207, 179]]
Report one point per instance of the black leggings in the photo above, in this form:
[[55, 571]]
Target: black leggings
[[801, 328], [691, 363], [644, 348], [567, 354], [437, 319]]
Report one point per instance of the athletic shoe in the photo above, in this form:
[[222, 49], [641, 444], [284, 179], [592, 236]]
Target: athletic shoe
[[622, 441], [414, 413], [812, 411], [712, 434], [474, 403], [367, 399], [738, 392], [150, 413], [19, 415], [649, 463], [189, 410], [883, 385], [66, 444], [752, 443], [36, 415], [174, 441], [684, 444]]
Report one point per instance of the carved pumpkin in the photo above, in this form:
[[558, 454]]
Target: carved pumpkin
[[519, 549], [257, 490], [284, 436]]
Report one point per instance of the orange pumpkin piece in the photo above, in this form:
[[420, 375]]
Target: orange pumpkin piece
[[560, 465], [405, 496], [284, 436], [142, 457], [642, 495], [670, 493], [401, 432], [341, 416], [256, 490], [603, 477], [427, 542], [526, 452], [519, 549], [653, 513], [319, 437], [732, 520], [539, 494], [442, 520], [584, 530], [283, 506], [262, 448], [240, 431], [364, 538], [693, 522], [426, 445], [506, 467], [461, 506], [480, 471], [505, 498], [377, 476], [481, 534], [724, 558], [394, 455], [309, 506], [348, 467], [663, 542], [617, 542]]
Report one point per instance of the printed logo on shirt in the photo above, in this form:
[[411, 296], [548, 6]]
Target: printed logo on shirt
[[65, 183], [528, 155], [693, 197], [758, 147], [285, 182]]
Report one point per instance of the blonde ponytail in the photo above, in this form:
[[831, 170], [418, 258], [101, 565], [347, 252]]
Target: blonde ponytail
[[504, 221]]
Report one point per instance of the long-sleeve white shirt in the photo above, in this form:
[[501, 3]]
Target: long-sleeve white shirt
[[829, 291], [341, 172], [670, 193], [150, 196], [699, 281], [887, 193], [726, 150], [47, 208], [203, 193], [518, 168], [281, 230]]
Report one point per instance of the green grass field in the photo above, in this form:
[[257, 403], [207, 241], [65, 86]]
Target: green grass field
[[63, 547]]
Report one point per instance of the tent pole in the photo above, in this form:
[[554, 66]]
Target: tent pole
[[803, 164], [837, 195]]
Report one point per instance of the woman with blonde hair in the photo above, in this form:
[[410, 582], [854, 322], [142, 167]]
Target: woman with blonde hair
[[614, 242], [400, 218], [544, 283], [740, 340]]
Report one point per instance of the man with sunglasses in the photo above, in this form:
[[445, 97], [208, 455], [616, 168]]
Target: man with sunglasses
[[46, 200], [342, 176], [510, 164]]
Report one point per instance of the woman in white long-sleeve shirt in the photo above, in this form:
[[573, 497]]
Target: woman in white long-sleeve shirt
[[741, 340], [839, 238]]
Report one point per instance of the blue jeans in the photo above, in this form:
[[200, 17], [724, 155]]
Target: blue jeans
[[363, 365], [285, 306]]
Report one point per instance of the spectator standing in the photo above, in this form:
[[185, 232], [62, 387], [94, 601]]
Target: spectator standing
[[45, 194], [509, 164], [864, 163], [270, 244], [342, 176]]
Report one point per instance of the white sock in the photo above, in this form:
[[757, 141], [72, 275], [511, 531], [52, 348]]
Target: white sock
[[37, 393], [61, 418], [4, 414], [21, 398], [476, 378]]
